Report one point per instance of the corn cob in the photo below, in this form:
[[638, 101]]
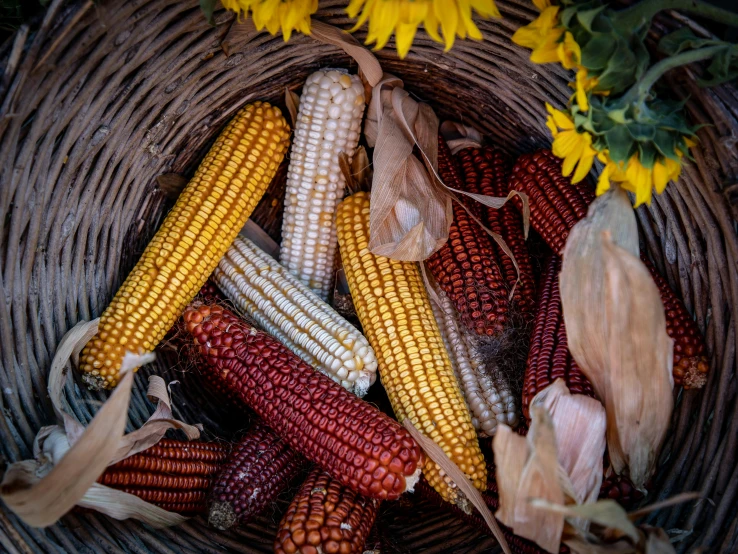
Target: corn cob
[[555, 207], [327, 517], [690, 364], [397, 317], [210, 292], [549, 357], [171, 474], [465, 267], [489, 400], [620, 489], [258, 468], [487, 171], [328, 123], [290, 311], [355, 442], [555, 204], [194, 236]]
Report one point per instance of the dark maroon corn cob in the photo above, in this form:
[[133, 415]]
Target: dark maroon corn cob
[[466, 266], [210, 293], [326, 517], [259, 467], [620, 489], [690, 364], [160, 497], [555, 203], [556, 206], [355, 442], [166, 465], [549, 357], [487, 171]]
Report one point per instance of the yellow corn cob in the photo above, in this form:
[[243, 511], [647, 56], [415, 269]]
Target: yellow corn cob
[[328, 123], [397, 317], [489, 402], [194, 236], [290, 311]]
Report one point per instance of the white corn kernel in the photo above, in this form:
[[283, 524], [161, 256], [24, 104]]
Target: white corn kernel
[[328, 123], [489, 403], [289, 310]]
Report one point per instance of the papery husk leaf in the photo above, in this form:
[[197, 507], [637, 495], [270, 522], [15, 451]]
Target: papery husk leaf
[[69, 457], [540, 479], [510, 453], [580, 424], [121, 505], [370, 68], [579, 546], [459, 136], [657, 541], [582, 282], [640, 400], [457, 476], [292, 102], [260, 238], [606, 513]]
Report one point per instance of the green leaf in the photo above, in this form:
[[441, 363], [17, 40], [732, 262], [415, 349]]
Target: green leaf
[[566, 16], [641, 131], [598, 50], [724, 67], [681, 40], [666, 143], [587, 17], [208, 8], [620, 72], [618, 116], [647, 154], [620, 143]]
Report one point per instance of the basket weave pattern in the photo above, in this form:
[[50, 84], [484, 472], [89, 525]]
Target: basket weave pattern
[[101, 99]]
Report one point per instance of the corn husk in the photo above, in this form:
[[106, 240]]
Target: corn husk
[[616, 331], [69, 458], [459, 136], [559, 462]]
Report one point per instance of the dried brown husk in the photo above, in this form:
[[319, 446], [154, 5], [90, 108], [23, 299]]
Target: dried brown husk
[[69, 458], [459, 136], [616, 331]]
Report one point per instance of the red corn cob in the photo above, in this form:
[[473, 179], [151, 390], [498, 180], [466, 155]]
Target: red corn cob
[[258, 468], [620, 489], [465, 267], [165, 465], [555, 204], [487, 171], [153, 480], [159, 497], [171, 474], [212, 452], [690, 364], [327, 517], [355, 442], [549, 357], [210, 293]]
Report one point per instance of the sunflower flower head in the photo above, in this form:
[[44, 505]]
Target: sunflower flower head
[[542, 36], [276, 15], [573, 146], [454, 17]]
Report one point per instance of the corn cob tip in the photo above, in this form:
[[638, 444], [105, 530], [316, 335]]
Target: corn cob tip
[[222, 516], [692, 371]]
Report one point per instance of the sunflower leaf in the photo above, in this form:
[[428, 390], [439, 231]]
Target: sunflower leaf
[[681, 40], [208, 8], [587, 17], [641, 131], [619, 142], [724, 67], [598, 51]]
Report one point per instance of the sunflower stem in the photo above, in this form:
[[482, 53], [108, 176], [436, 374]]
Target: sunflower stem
[[643, 12], [640, 90]]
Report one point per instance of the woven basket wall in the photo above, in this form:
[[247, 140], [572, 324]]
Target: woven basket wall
[[98, 100]]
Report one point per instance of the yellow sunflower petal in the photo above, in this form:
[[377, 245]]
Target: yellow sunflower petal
[[581, 94], [660, 176], [640, 178], [562, 120], [569, 52], [584, 165], [603, 183], [542, 4], [447, 13], [551, 124], [382, 23], [404, 37], [431, 24], [354, 7]]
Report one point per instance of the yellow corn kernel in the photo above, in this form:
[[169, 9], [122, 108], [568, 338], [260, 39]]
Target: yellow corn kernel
[[395, 311], [183, 252]]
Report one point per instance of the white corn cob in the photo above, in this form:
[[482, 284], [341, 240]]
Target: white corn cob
[[290, 311], [328, 123], [489, 403]]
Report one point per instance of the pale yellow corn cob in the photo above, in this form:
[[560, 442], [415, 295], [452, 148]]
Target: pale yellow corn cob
[[328, 123], [395, 311], [290, 311], [489, 403]]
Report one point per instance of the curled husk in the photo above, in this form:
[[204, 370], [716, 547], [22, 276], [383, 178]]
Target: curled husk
[[616, 331]]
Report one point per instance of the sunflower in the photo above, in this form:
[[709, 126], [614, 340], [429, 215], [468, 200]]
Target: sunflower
[[287, 15], [404, 16], [571, 145], [637, 178], [542, 35]]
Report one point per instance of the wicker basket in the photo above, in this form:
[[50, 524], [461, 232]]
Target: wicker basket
[[98, 100]]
